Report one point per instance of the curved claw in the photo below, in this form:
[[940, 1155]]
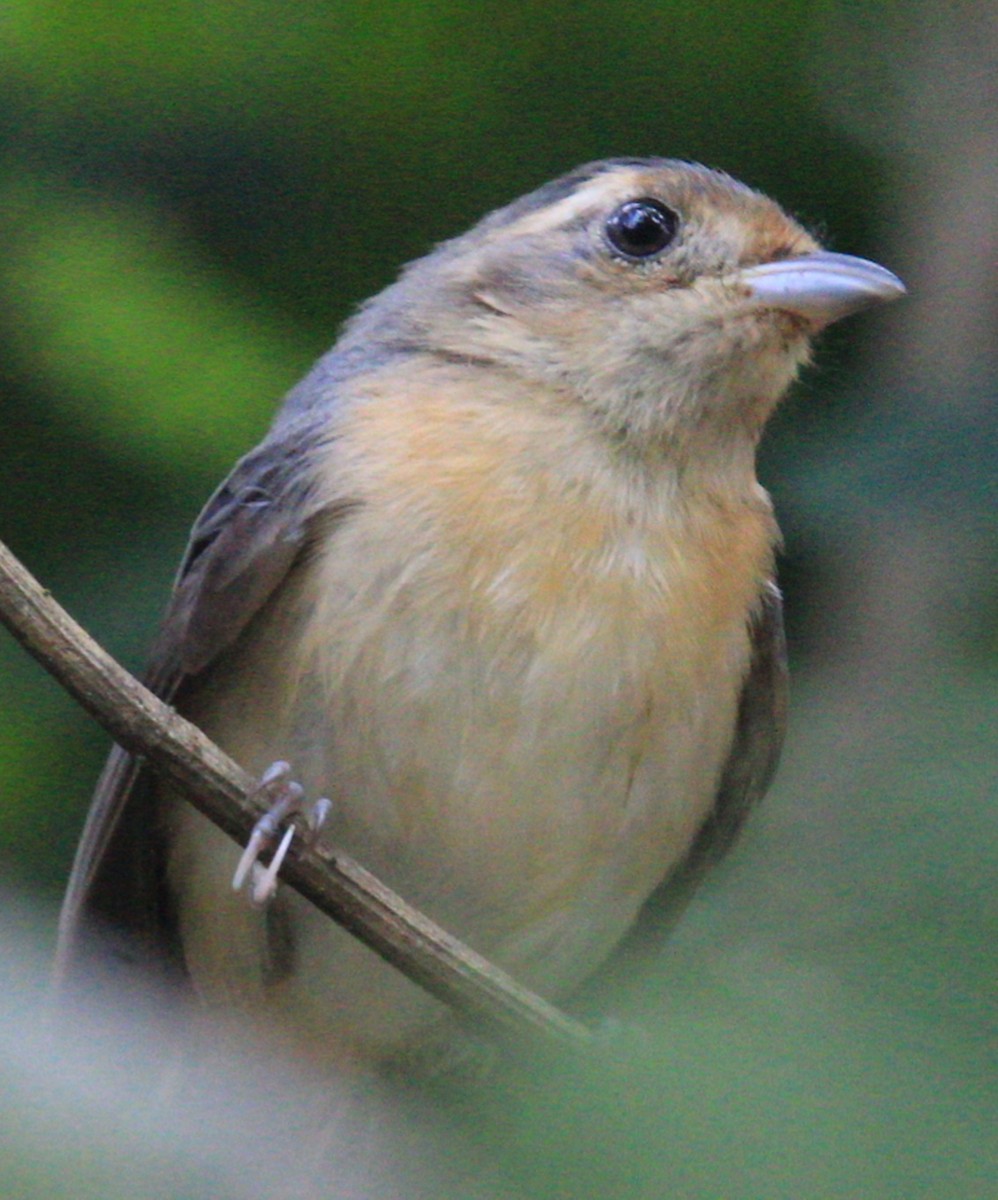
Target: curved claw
[[319, 814], [286, 797], [249, 857], [265, 881]]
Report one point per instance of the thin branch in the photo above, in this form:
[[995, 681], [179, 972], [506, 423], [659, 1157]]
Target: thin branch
[[479, 991]]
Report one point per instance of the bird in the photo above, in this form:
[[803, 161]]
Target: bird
[[500, 583]]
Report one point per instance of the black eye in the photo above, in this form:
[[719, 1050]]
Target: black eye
[[641, 228]]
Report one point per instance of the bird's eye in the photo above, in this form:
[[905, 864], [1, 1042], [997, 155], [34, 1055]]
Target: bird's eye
[[641, 228]]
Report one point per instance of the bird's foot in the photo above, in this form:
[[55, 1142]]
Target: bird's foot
[[284, 802]]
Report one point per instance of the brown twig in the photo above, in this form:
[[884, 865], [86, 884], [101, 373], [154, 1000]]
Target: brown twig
[[218, 787]]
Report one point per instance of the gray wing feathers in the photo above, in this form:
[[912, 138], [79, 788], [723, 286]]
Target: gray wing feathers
[[760, 725], [113, 787], [242, 546], [759, 731]]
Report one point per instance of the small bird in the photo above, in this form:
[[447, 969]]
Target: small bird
[[499, 581]]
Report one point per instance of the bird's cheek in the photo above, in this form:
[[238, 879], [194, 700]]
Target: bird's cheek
[[765, 336], [776, 347], [745, 362]]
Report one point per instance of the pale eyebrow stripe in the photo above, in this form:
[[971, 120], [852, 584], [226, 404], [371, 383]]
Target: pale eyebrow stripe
[[606, 187]]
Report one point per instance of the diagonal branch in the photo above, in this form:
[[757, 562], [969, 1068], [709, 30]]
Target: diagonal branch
[[479, 991]]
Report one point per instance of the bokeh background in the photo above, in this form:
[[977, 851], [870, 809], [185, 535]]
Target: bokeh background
[[194, 195]]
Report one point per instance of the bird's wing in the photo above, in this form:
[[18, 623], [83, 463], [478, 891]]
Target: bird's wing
[[255, 527], [760, 725], [759, 730]]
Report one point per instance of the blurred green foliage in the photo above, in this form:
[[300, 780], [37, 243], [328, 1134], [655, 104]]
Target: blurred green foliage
[[193, 196]]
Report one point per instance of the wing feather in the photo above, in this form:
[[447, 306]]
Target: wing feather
[[246, 540], [760, 725]]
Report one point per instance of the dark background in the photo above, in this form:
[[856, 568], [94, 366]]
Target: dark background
[[193, 196]]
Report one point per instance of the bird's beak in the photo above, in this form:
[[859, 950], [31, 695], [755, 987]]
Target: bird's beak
[[821, 287]]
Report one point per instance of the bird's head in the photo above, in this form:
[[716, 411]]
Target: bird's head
[[665, 297]]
